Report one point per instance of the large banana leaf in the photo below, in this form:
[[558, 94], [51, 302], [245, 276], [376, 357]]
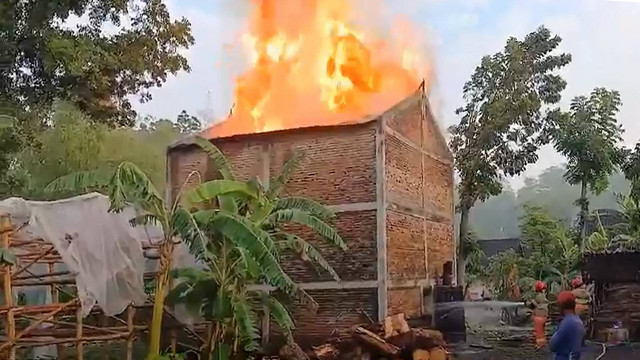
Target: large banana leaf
[[82, 180], [299, 245], [211, 190], [304, 204], [239, 231], [310, 221], [186, 226], [279, 313], [277, 185], [218, 158], [247, 321]]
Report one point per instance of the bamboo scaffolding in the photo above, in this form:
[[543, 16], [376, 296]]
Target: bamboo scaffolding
[[66, 325]]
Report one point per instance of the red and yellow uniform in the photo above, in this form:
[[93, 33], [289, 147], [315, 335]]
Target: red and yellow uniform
[[540, 306]]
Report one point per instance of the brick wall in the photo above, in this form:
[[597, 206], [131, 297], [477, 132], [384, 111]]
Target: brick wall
[[407, 301], [420, 200], [326, 174], [337, 310]]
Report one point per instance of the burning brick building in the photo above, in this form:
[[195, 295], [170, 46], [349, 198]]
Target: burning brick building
[[389, 179]]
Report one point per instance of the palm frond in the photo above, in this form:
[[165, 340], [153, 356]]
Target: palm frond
[[306, 205], [280, 314], [228, 203], [130, 185], [247, 322], [219, 160], [276, 186], [260, 210], [299, 245], [310, 221], [240, 231], [143, 220], [187, 227], [249, 265], [81, 181], [211, 190], [193, 289]]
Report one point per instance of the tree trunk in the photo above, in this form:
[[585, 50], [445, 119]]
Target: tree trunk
[[584, 212], [155, 333], [464, 230]]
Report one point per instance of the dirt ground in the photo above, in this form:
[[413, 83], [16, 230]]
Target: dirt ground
[[528, 352]]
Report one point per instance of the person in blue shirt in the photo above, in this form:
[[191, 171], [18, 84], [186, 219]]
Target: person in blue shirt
[[566, 343]]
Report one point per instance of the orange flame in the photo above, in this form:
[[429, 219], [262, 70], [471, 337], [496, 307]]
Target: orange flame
[[310, 66]]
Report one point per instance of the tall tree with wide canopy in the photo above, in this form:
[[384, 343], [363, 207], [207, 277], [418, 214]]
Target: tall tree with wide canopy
[[503, 121], [119, 48], [589, 137]]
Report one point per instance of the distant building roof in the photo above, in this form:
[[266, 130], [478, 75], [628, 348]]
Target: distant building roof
[[492, 247], [606, 217]]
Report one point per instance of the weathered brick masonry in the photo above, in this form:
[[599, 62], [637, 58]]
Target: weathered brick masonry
[[390, 181]]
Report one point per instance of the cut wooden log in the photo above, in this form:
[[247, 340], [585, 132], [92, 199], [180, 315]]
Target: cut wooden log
[[395, 325], [421, 355], [438, 354], [374, 342]]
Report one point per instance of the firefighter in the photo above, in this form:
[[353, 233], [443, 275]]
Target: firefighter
[[540, 306], [583, 298]]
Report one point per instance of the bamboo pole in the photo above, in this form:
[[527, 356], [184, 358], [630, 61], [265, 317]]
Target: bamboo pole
[[35, 324], [131, 311], [33, 261], [54, 299], [5, 230], [79, 347]]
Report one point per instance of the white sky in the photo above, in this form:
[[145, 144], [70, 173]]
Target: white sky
[[602, 35]]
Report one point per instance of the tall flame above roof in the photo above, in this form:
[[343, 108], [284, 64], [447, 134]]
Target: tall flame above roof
[[310, 65]]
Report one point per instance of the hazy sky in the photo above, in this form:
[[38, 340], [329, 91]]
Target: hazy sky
[[602, 35]]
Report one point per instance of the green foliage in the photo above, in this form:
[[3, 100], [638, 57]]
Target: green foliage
[[598, 241], [128, 185], [43, 60], [503, 122], [244, 231], [631, 169], [589, 137], [75, 143], [554, 255], [551, 255], [499, 217]]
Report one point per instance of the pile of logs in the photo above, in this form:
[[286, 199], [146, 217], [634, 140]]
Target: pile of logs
[[392, 340]]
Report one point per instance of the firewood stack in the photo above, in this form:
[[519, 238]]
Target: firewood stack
[[392, 340]]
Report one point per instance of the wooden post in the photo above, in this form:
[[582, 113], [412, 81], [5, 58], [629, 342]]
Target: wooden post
[[5, 233], [131, 311], [54, 300], [79, 347]]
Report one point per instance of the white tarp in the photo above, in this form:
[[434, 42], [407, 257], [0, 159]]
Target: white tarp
[[100, 248]]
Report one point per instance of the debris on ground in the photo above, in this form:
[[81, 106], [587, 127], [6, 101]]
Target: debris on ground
[[392, 339]]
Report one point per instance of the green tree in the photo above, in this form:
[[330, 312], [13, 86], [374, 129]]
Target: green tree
[[188, 124], [552, 252], [246, 236], [74, 142], [130, 186], [503, 122], [42, 59], [589, 137], [631, 169]]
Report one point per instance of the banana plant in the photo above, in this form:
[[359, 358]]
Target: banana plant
[[245, 235], [128, 186]]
